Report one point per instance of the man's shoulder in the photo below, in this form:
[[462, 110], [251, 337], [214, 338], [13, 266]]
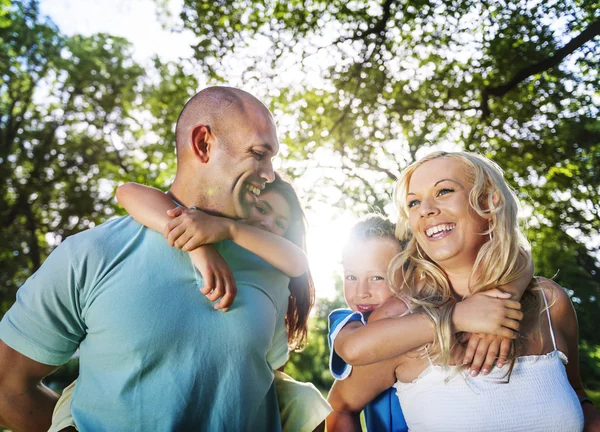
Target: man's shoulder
[[114, 233]]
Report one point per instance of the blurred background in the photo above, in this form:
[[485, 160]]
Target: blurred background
[[90, 92]]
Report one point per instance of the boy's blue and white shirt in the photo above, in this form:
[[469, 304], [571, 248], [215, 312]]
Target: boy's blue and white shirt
[[337, 320], [382, 414]]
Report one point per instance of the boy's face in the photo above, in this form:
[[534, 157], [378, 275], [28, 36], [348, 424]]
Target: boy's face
[[365, 273]]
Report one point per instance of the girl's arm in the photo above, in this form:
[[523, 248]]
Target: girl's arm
[[190, 229], [149, 207], [490, 312], [145, 204]]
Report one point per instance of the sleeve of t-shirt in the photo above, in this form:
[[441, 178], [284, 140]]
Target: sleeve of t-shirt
[[337, 320], [45, 323]]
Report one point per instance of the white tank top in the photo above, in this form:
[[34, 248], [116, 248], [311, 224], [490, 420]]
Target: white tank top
[[538, 397]]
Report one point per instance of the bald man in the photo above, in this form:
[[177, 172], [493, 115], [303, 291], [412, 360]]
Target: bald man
[[154, 354]]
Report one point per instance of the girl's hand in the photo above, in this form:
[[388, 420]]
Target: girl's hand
[[192, 228], [491, 312], [218, 279]]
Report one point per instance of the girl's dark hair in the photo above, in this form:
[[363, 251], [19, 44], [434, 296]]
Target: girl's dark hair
[[302, 289]]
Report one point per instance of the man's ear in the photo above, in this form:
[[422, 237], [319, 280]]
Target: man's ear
[[201, 142]]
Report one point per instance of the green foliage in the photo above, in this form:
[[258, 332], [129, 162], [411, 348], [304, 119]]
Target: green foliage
[[516, 81], [73, 112]]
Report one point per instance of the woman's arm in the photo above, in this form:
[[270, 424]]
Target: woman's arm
[[489, 312], [190, 229], [564, 321]]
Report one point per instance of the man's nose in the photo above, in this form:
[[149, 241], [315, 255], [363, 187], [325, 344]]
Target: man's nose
[[266, 170]]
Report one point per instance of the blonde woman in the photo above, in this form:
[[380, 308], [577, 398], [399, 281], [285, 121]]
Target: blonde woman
[[459, 218]]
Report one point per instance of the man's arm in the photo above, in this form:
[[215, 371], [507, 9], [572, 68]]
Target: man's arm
[[25, 403]]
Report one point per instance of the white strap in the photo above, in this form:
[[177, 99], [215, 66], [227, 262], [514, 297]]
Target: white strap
[[549, 319]]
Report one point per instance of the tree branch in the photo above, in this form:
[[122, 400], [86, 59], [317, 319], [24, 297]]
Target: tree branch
[[553, 60]]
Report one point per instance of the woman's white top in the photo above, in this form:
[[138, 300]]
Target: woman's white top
[[538, 397]]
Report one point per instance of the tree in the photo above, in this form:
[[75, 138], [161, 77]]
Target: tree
[[514, 80], [75, 111]]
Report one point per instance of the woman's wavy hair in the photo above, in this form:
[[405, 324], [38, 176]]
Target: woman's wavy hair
[[501, 259], [302, 289]]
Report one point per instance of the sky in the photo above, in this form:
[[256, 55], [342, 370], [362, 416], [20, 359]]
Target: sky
[[136, 20]]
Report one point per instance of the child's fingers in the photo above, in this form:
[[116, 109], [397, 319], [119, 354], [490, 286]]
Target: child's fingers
[[505, 346], [512, 304], [174, 212], [491, 356], [506, 332], [230, 291], [514, 314], [511, 324], [172, 225], [471, 349], [183, 239], [191, 244], [209, 285], [498, 293], [174, 234], [217, 292], [479, 358]]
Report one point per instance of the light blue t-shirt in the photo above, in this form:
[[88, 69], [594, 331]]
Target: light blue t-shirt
[[154, 354]]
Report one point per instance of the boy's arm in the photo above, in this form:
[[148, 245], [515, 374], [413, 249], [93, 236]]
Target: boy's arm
[[359, 344], [518, 286], [190, 229], [490, 313], [350, 396]]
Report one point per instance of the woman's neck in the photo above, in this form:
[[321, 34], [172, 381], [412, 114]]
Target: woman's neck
[[459, 280]]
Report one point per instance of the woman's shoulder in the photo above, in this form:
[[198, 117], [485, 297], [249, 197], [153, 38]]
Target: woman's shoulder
[[556, 295], [559, 303]]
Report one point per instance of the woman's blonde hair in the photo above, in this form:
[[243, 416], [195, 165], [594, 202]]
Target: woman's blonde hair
[[500, 260]]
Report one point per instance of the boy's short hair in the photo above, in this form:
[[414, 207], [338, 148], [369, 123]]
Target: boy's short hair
[[374, 225]]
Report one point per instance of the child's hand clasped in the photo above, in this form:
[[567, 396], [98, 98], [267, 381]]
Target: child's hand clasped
[[491, 312], [492, 320], [192, 228]]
